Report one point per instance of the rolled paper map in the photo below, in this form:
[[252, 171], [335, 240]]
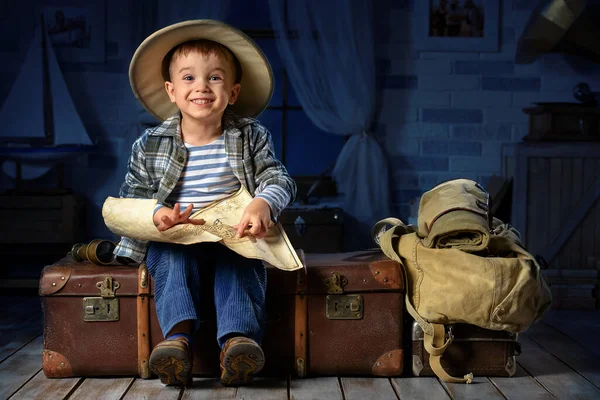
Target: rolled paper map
[[133, 218]]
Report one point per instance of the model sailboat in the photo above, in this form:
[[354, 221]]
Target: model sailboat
[[41, 127]]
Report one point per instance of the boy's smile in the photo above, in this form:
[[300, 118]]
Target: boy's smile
[[202, 85]]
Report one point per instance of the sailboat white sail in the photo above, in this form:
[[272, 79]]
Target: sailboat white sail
[[26, 111]]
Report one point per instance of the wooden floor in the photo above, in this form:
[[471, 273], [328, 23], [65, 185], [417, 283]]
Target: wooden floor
[[560, 359]]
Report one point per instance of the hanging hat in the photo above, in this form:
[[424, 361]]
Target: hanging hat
[[148, 84], [549, 22]]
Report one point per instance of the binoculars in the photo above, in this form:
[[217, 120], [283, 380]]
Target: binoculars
[[98, 251]]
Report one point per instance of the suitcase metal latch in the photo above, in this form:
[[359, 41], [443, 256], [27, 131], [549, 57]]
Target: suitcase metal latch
[[344, 306], [336, 283], [105, 307]]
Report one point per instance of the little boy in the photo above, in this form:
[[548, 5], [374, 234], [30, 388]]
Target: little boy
[[205, 80]]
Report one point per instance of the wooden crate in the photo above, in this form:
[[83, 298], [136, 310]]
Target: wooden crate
[[555, 207]]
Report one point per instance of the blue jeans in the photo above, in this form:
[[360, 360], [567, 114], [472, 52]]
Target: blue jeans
[[239, 287]]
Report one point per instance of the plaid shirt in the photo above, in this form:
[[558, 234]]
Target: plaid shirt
[[158, 157]]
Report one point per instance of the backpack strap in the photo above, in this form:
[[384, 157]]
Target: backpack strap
[[434, 334], [435, 354]]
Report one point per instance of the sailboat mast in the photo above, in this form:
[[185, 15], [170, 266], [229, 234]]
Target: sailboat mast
[[48, 114]]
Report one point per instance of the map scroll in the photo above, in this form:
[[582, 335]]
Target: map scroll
[[132, 218]]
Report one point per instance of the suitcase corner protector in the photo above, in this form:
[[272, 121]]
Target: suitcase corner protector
[[389, 364], [55, 365], [417, 365]]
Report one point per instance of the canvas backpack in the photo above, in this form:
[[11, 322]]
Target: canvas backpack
[[475, 270]]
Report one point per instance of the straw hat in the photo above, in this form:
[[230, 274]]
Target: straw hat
[[148, 84]]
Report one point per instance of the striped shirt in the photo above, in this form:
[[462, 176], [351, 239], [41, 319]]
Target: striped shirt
[[206, 177], [159, 157]]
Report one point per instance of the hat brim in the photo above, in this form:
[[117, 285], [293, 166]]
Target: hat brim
[[148, 84], [548, 24]]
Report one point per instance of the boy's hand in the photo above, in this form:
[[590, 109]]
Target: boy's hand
[[256, 218], [166, 218]]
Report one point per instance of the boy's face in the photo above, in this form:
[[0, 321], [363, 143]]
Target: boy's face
[[202, 86]]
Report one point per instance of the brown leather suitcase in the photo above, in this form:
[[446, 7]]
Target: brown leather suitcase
[[349, 317], [101, 320], [480, 351]]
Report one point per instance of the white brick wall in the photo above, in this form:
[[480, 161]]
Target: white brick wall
[[500, 115], [444, 83], [440, 86], [398, 98], [481, 99], [420, 67]]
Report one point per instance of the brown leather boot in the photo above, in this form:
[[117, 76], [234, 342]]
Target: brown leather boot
[[172, 361], [241, 359]]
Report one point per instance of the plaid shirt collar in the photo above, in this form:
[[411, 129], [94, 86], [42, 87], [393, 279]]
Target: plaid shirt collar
[[172, 127]]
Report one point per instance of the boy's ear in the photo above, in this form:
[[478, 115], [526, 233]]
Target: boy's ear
[[170, 90], [235, 92]]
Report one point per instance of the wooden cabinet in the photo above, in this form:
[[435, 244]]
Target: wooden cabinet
[[555, 207]]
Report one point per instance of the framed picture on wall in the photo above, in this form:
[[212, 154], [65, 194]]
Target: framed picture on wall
[[457, 25], [77, 30]]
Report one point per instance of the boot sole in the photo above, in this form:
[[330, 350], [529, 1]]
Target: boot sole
[[172, 364], [241, 363]]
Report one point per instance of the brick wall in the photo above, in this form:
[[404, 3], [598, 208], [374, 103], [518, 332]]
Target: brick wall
[[445, 115]]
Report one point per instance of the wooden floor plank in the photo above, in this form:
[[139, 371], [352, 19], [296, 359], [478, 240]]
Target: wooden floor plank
[[20, 367], [14, 336], [481, 388], [574, 322], [419, 388], [367, 388], [208, 388], [43, 388], [520, 386], [264, 389], [151, 389], [315, 388], [570, 352], [102, 388], [557, 377]]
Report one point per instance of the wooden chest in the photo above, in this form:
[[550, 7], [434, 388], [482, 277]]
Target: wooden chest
[[563, 121], [37, 228], [43, 218], [314, 228], [555, 207]]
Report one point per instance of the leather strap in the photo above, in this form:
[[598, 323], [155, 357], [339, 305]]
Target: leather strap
[[385, 240], [435, 346], [301, 319], [143, 321], [433, 334]]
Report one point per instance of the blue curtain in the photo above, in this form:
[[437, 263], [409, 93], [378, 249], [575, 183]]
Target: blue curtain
[[327, 48], [173, 11]]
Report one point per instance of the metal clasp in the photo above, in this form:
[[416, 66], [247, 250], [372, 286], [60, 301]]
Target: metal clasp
[[335, 284], [300, 226], [107, 287], [348, 306], [105, 307]]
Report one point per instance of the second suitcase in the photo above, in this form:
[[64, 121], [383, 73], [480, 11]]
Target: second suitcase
[[480, 351], [348, 315]]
